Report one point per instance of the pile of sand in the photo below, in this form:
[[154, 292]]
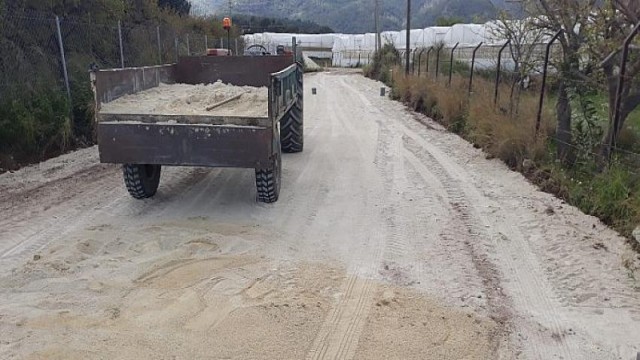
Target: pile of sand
[[182, 99]]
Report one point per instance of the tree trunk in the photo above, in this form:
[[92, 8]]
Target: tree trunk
[[612, 81], [565, 151]]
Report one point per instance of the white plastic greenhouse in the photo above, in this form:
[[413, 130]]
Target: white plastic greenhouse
[[351, 50], [465, 35]]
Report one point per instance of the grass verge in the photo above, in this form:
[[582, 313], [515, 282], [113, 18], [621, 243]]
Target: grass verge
[[612, 195]]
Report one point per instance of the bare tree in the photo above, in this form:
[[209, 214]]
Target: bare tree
[[524, 38]]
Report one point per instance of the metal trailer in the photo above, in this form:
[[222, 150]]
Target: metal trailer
[[144, 143]]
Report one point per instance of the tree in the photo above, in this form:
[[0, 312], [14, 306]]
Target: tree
[[612, 24], [449, 20], [523, 37], [180, 7], [567, 16]]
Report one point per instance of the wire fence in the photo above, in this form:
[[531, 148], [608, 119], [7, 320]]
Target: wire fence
[[512, 72], [44, 51]]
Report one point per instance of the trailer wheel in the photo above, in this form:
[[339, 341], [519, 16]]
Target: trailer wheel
[[141, 180], [292, 124], [268, 180]]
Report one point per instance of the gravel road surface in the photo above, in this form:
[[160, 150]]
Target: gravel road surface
[[393, 239]]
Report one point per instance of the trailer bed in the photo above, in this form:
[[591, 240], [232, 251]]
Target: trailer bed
[[194, 100], [184, 115]]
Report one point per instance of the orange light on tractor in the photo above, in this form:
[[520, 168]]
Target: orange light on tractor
[[226, 23]]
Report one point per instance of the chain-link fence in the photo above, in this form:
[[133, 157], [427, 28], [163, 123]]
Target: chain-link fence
[[51, 52], [29, 54], [46, 102], [518, 81]]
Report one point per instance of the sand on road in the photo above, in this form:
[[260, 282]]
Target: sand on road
[[392, 239]]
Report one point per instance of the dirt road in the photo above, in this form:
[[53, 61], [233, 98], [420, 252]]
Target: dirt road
[[393, 239]]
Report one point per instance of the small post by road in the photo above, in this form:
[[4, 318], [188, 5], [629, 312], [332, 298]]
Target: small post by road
[[188, 46]]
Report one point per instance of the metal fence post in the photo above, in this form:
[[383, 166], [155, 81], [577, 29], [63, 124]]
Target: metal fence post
[[121, 48], [206, 42], [236, 48], [473, 65], [499, 72], [63, 58], [221, 43], [413, 65], [188, 46], [544, 79], [619, 89], [428, 59], [159, 44], [451, 63], [438, 60], [175, 40]]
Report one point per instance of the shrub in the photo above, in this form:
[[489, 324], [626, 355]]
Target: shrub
[[35, 124]]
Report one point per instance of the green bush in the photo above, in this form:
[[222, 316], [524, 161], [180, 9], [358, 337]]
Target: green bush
[[383, 63], [34, 124], [612, 195]]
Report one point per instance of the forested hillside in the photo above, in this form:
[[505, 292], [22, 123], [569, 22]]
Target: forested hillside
[[356, 16], [250, 24]]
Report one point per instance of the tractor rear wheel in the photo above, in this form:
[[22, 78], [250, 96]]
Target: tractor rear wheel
[[268, 180], [141, 180]]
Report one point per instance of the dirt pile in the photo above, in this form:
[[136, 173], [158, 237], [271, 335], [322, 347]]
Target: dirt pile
[[182, 99]]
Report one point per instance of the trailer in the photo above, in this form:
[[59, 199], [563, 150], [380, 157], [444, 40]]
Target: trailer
[[143, 143]]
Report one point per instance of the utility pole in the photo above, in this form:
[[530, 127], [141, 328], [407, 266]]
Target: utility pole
[[407, 55], [377, 21]]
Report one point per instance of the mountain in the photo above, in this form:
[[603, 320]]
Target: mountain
[[251, 24], [356, 16]]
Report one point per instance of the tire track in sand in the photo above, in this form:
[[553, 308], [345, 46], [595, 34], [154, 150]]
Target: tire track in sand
[[529, 288], [340, 333]]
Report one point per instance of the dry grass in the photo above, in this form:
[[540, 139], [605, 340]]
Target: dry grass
[[500, 133], [508, 133]]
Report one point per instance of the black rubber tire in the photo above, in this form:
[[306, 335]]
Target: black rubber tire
[[292, 123], [141, 180], [268, 180]]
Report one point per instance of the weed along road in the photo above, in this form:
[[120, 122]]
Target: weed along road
[[392, 239]]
